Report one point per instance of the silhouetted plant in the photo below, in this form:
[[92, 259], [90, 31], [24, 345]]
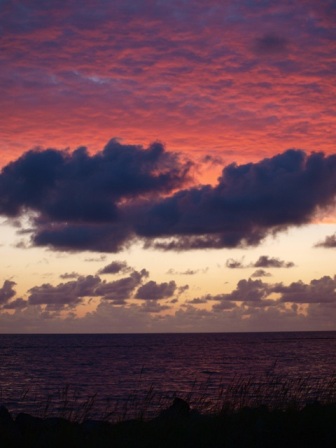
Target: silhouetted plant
[[277, 392]]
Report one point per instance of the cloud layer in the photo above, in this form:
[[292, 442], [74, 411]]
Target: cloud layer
[[105, 201], [133, 304], [261, 74], [67, 296], [252, 293]]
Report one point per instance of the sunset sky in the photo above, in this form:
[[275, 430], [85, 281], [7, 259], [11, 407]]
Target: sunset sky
[[167, 165]]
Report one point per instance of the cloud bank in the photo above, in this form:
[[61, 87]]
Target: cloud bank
[[68, 295], [134, 304], [106, 201], [252, 293]]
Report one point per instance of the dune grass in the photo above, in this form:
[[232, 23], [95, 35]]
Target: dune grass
[[273, 411], [276, 392]]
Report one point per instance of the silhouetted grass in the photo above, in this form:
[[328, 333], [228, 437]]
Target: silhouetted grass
[[262, 412], [276, 392]]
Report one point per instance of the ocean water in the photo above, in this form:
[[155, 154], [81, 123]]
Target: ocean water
[[117, 376]]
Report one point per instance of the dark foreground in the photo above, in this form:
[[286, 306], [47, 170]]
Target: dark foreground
[[177, 427]]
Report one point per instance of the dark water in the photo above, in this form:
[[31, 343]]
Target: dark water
[[45, 373]]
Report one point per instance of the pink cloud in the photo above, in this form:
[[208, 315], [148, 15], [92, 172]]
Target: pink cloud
[[190, 75]]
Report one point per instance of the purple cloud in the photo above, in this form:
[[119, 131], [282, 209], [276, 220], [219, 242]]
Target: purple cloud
[[269, 262], [264, 261], [72, 293], [78, 187], [198, 301], [260, 273], [69, 275], [7, 291], [249, 202], [321, 290], [271, 44], [16, 304], [256, 293], [234, 264], [64, 294], [120, 290], [152, 306], [248, 291], [329, 242], [106, 201], [115, 268], [156, 291]]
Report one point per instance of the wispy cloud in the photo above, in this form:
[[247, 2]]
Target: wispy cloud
[[329, 242], [260, 273], [115, 267], [69, 275], [265, 261], [7, 291]]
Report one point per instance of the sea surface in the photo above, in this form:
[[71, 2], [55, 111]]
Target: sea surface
[[116, 376]]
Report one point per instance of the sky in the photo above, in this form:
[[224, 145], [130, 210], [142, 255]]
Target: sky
[[167, 166]]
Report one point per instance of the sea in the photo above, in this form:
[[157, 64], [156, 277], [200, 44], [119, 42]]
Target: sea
[[122, 376]]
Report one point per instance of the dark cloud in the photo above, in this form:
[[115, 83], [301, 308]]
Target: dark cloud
[[72, 293], [182, 243], [198, 301], [208, 298], [64, 294], [223, 306], [152, 306], [7, 291], [16, 304], [77, 195], [182, 289], [212, 160], [321, 290], [120, 290], [69, 275], [251, 305], [268, 262], [78, 187], [234, 264], [247, 291], [249, 202], [106, 201], [115, 267], [261, 273], [271, 44], [76, 237], [329, 242], [264, 261], [156, 291], [257, 293], [189, 272], [95, 259], [186, 272]]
